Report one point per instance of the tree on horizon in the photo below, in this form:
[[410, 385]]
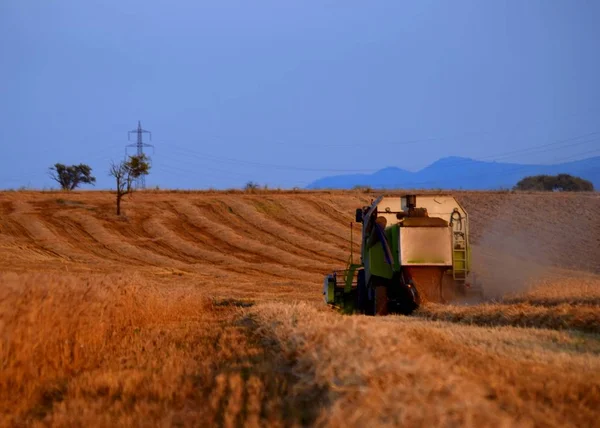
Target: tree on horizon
[[71, 176], [555, 183]]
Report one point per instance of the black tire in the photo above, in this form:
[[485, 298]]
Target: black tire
[[380, 300], [362, 294], [409, 299]]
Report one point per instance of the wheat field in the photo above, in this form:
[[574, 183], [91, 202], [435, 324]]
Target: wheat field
[[205, 309]]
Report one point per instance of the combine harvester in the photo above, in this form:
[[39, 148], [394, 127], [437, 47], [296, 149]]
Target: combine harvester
[[414, 249]]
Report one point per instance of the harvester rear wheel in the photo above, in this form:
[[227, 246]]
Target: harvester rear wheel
[[429, 282], [409, 300]]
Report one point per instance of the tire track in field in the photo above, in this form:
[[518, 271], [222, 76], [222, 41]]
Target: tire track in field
[[12, 233], [142, 235], [204, 230], [344, 209], [92, 250], [221, 231], [323, 218], [279, 213], [190, 233], [119, 245], [303, 227], [221, 210], [330, 210], [217, 263], [98, 251], [198, 232], [320, 225], [273, 245], [43, 240], [181, 225], [281, 236]]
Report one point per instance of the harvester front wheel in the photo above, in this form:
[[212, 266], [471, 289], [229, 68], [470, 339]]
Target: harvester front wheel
[[380, 300], [363, 305]]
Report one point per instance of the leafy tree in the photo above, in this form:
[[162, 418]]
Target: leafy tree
[[569, 183], [550, 183], [70, 177], [125, 172]]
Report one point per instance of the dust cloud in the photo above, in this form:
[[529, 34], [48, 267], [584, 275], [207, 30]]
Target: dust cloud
[[509, 256]]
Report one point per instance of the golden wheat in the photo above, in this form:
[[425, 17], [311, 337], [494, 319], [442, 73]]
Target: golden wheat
[[181, 312]]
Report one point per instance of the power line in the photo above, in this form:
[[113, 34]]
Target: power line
[[205, 157], [197, 169], [466, 134], [176, 165], [193, 153], [534, 148], [181, 171], [184, 172], [503, 155], [514, 169]]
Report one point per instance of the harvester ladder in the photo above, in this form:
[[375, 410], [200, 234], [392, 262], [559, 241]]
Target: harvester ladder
[[460, 255]]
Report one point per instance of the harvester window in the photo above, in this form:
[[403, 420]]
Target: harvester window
[[359, 215]]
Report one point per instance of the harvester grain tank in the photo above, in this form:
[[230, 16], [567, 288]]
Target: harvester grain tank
[[414, 248]]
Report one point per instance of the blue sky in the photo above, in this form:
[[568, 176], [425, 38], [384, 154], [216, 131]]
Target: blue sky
[[285, 92]]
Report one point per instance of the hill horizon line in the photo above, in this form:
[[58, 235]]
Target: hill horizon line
[[456, 172]]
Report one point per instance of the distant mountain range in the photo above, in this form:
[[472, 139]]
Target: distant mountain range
[[460, 173]]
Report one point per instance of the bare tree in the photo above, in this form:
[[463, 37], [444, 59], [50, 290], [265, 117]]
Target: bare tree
[[71, 176], [251, 187], [125, 172]]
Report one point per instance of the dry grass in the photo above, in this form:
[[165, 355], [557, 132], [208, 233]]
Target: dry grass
[[76, 350], [181, 313], [403, 371], [108, 351]]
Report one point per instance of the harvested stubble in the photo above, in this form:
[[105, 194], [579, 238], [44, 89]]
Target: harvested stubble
[[560, 287], [559, 317], [401, 371], [163, 343], [564, 301]]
